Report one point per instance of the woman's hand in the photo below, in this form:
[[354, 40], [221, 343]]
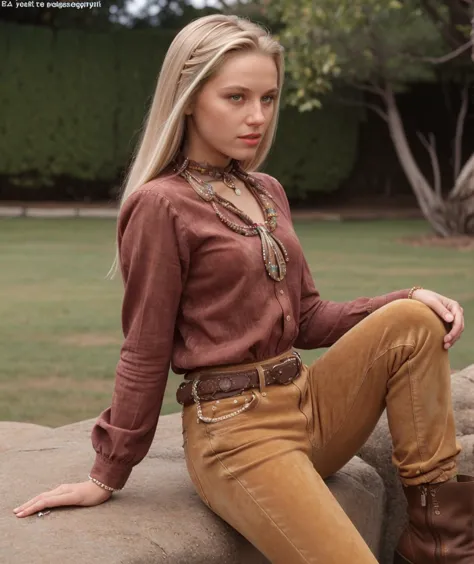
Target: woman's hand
[[83, 493], [449, 311]]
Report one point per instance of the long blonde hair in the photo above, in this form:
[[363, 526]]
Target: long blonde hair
[[195, 55]]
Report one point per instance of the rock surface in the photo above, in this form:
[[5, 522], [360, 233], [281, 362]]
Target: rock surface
[[377, 453], [157, 518]]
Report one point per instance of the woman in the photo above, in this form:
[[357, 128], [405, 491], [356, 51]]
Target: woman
[[216, 284]]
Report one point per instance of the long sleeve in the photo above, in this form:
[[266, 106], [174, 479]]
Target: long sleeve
[[154, 259], [323, 322]]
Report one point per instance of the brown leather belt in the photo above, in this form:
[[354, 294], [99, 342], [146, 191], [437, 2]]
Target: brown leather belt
[[216, 385]]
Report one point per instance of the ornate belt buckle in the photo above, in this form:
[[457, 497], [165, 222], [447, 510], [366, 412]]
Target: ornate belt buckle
[[278, 374]]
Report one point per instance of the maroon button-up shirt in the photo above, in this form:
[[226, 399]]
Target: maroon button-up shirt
[[197, 294]]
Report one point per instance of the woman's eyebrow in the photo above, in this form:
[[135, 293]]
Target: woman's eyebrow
[[245, 89]]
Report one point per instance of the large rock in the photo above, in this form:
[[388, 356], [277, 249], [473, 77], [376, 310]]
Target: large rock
[[378, 452], [157, 518], [13, 434]]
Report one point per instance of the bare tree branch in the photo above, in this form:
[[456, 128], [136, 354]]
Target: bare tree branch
[[460, 131], [465, 180], [427, 199], [366, 87], [449, 56], [430, 146], [367, 105]]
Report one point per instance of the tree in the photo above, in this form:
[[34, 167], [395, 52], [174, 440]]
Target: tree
[[379, 47]]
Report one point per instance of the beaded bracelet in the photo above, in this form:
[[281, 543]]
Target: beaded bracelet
[[410, 293], [103, 486]]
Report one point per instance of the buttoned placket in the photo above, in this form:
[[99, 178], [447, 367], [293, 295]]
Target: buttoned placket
[[281, 294]]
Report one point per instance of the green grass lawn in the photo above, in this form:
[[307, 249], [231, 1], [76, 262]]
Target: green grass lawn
[[60, 332]]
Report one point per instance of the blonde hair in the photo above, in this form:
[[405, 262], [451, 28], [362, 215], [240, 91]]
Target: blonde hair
[[195, 55]]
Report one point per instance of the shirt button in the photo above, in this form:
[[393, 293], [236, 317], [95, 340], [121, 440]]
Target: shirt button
[[282, 292], [288, 317]]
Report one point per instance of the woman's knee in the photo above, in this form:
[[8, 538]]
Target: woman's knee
[[414, 314]]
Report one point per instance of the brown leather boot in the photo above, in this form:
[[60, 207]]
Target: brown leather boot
[[441, 526]]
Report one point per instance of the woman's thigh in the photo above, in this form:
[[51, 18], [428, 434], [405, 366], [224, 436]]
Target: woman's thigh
[[347, 388], [254, 471]]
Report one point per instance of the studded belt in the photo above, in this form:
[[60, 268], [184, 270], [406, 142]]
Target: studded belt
[[215, 384]]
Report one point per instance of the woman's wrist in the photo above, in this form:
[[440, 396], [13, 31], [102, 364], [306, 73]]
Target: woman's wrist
[[113, 473], [412, 292], [101, 485]]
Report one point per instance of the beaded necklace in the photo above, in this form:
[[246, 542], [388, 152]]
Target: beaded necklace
[[226, 174], [274, 253]]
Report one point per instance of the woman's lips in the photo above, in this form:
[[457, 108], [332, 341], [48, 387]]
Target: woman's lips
[[251, 140]]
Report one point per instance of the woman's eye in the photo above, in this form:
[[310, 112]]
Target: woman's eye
[[265, 99]]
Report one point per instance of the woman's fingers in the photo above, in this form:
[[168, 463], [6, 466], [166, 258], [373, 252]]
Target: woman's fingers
[[448, 310], [31, 502], [54, 498], [457, 326], [83, 493], [38, 498]]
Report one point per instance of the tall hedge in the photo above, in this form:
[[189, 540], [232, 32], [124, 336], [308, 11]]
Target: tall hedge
[[73, 103], [314, 152]]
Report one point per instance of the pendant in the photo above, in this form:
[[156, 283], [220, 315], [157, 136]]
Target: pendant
[[274, 255], [237, 192]]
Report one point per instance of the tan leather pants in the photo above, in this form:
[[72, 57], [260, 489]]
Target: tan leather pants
[[262, 471]]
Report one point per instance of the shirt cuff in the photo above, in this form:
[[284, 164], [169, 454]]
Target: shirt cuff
[[114, 475], [380, 301]]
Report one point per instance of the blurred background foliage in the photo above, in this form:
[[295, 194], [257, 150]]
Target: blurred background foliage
[[74, 102], [75, 87]]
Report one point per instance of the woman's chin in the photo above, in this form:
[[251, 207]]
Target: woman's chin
[[243, 154]]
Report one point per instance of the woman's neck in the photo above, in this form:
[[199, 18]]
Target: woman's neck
[[204, 166], [216, 160]]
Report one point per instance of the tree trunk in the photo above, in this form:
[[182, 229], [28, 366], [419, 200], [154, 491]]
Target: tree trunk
[[453, 216], [462, 198]]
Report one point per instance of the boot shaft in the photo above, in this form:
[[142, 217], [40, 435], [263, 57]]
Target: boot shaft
[[441, 523]]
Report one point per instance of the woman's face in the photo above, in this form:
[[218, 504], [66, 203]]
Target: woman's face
[[236, 102]]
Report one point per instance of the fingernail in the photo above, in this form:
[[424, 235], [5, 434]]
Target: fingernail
[[448, 316], [16, 510]]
